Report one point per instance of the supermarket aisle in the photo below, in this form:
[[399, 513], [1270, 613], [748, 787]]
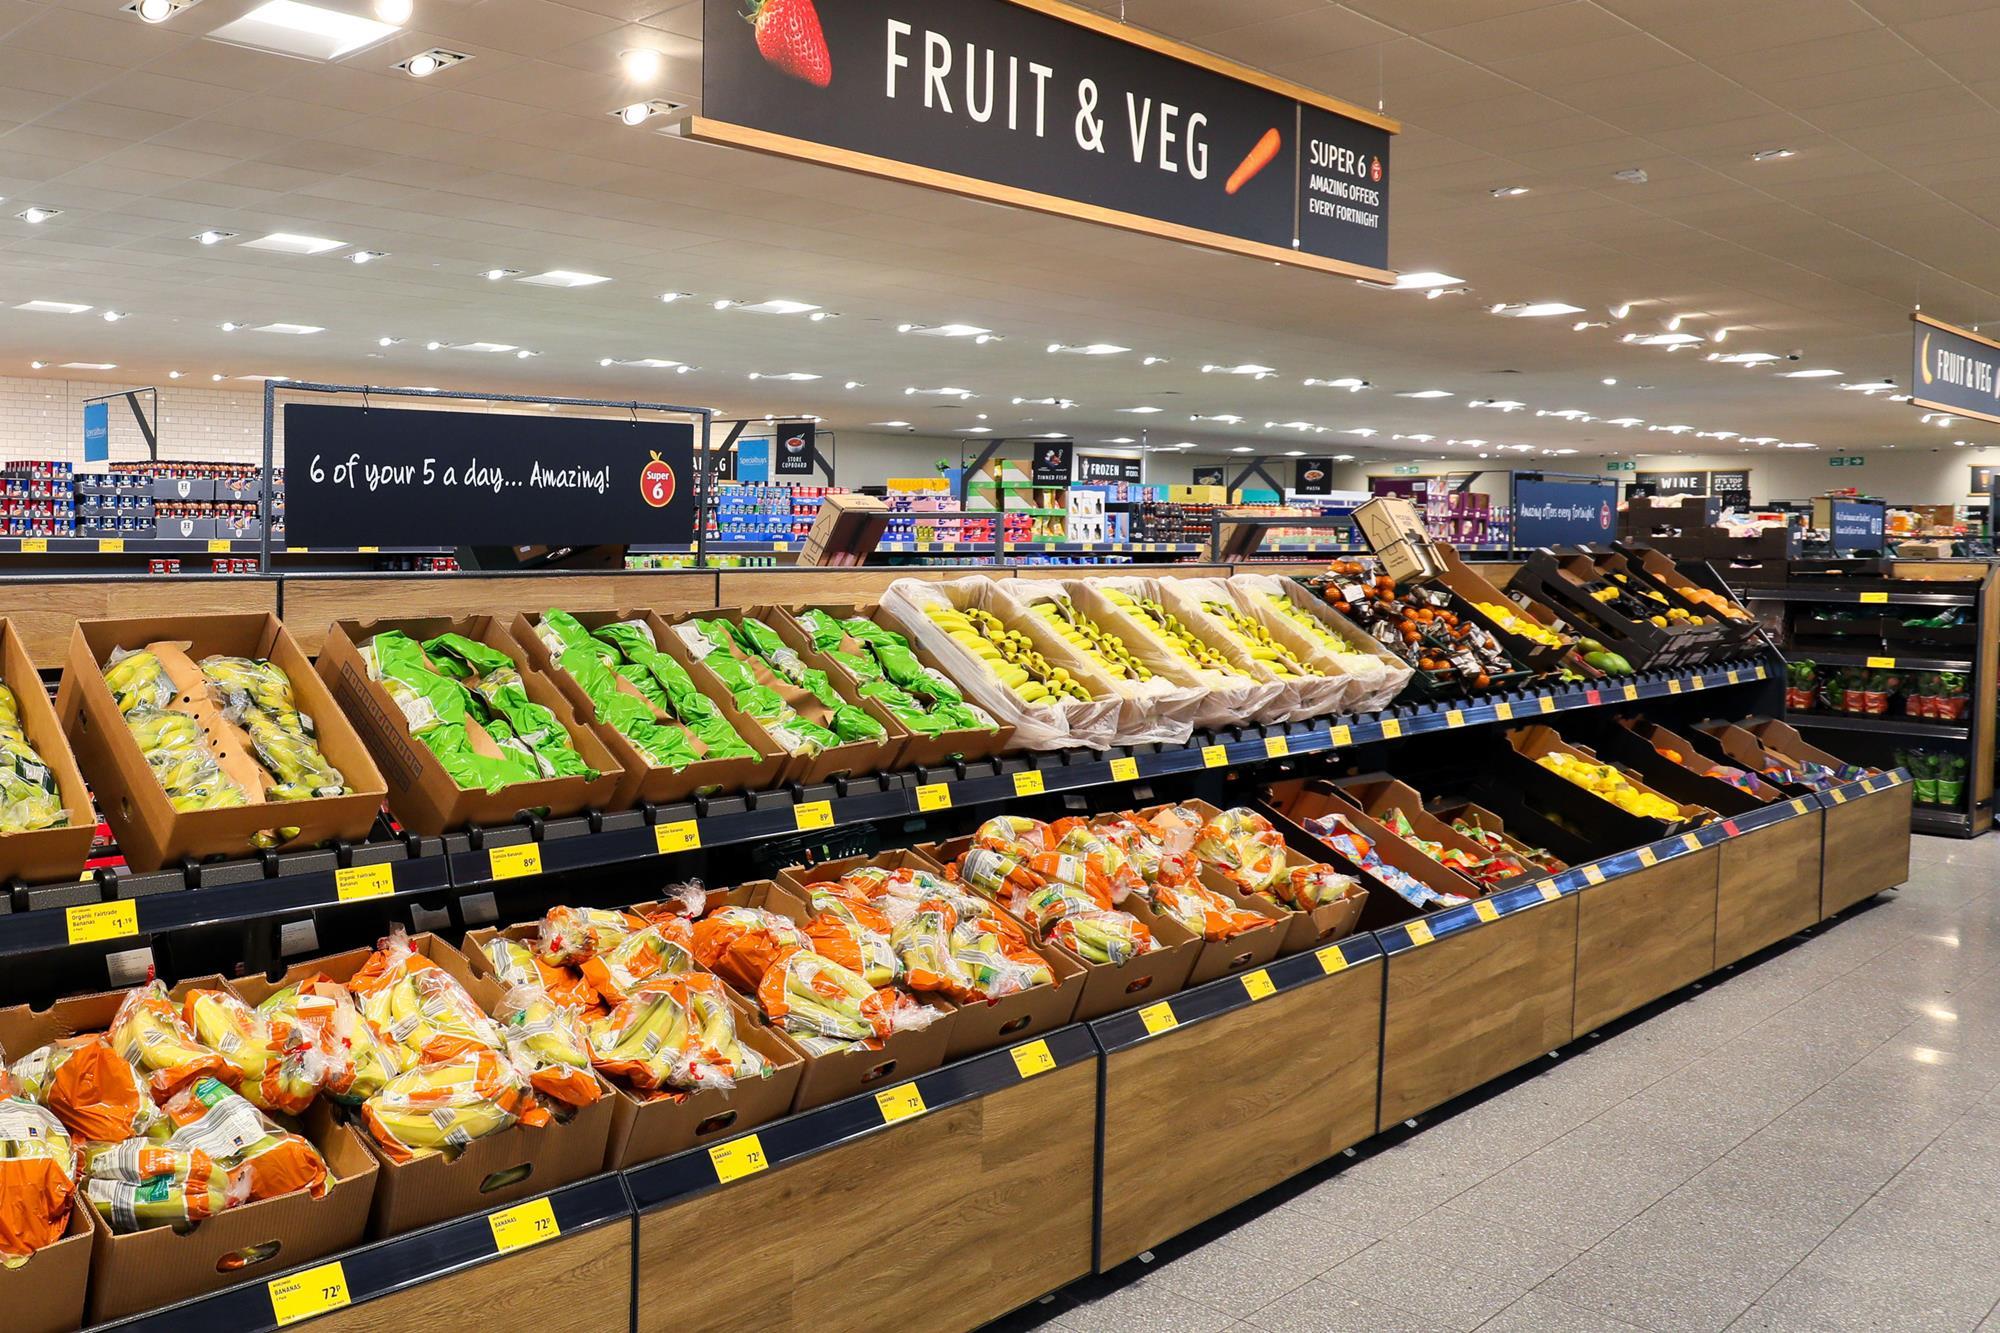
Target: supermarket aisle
[[1811, 1143]]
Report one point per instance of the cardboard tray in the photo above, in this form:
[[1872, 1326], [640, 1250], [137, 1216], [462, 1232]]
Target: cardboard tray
[[150, 832], [1472, 588], [1632, 743], [46, 1294], [1659, 578], [850, 758], [1560, 578], [424, 797], [1301, 799], [1300, 930], [52, 853], [1377, 795], [1529, 743], [502, 1168], [642, 1129], [922, 751], [1450, 811], [895, 750], [1107, 989], [976, 1027], [1383, 906], [641, 781], [1742, 743]]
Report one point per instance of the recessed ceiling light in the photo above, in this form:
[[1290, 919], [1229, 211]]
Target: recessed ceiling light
[[1226, 418], [668, 298], [797, 375], [1416, 282], [213, 237], [642, 64], [1253, 371], [1631, 175], [482, 347], [1121, 439], [1620, 311], [495, 274], [34, 217], [1771, 154], [53, 307], [1508, 191], [1295, 453], [644, 363], [975, 430], [771, 307], [394, 12], [1154, 361], [1808, 374], [895, 425], [290, 243], [37, 365], [947, 331], [294, 29], [113, 316], [1663, 339], [297, 329], [1536, 309], [1141, 411], [1363, 431], [89, 365], [638, 113], [948, 391], [1745, 358], [1426, 393], [1088, 349], [156, 11], [1348, 383], [1608, 381], [562, 277], [367, 256]]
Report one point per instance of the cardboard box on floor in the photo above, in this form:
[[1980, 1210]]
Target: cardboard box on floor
[[922, 751], [975, 1027], [46, 1294], [144, 1270], [1300, 930], [1109, 988], [852, 757], [425, 798], [502, 1168], [57, 853], [644, 1129], [641, 781], [838, 1074], [150, 832]]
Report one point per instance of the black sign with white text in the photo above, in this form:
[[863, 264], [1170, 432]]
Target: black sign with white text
[[1097, 467], [1315, 476], [1052, 112], [1053, 461], [1955, 371], [1674, 483], [795, 450], [1730, 487], [358, 476]]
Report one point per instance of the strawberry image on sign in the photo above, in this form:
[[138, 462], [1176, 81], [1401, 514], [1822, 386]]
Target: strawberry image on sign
[[789, 37]]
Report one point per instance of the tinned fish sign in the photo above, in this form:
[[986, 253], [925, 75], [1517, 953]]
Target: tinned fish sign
[[1055, 108], [1956, 371]]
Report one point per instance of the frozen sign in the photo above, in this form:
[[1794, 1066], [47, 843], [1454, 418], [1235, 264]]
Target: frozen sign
[[1956, 371], [1054, 108]]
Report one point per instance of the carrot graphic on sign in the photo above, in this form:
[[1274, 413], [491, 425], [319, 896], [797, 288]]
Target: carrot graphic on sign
[[1260, 157]]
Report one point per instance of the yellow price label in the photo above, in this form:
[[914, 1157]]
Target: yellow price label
[[679, 835], [1874, 598], [900, 1103], [811, 815], [1547, 888], [1124, 770], [1674, 686], [305, 1295], [1735, 677], [1332, 960], [515, 862], [934, 796], [1258, 985], [1646, 857], [1839, 798], [93, 923], [352, 882], [1030, 783], [1631, 693], [523, 1225], [1033, 1058], [1592, 875], [1503, 712], [947, 546], [1700, 684], [1882, 663], [1158, 1018], [1689, 841], [1392, 729], [218, 545], [1214, 756], [1341, 737], [368, 550], [1484, 909], [923, 548], [1420, 932], [34, 546], [1454, 719], [1277, 747], [1798, 807], [1762, 673], [738, 1158], [1548, 704], [110, 545], [781, 546]]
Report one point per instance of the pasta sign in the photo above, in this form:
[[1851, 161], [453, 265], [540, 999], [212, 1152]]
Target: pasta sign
[[1058, 109]]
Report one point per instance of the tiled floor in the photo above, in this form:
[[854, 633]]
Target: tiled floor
[[1811, 1142]]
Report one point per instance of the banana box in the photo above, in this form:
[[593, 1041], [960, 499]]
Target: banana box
[[498, 1169], [57, 852], [145, 1270], [977, 1027], [46, 1293], [643, 1129], [150, 831]]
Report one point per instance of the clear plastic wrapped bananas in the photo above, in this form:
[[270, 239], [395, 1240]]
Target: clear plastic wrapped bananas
[[1308, 624], [37, 1176], [29, 797], [1167, 627], [1257, 641], [1010, 655], [172, 744], [1092, 639], [257, 696]]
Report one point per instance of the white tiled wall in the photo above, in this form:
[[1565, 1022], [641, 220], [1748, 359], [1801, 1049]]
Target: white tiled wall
[[44, 419]]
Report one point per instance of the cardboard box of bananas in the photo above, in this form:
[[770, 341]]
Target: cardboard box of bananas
[[620, 992], [212, 736], [173, 1116], [1233, 690], [46, 822], [1376, 675], [1311, 680], [1161, 699]]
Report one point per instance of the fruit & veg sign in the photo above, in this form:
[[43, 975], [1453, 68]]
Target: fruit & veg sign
[[1956, 371], [370, 476], [1041, 105]]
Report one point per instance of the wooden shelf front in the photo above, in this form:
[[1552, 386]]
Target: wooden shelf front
[[1201, 1118], [1867, 848], [947, 1220], [1472, 1006], [1767, 886], [1644, 935]]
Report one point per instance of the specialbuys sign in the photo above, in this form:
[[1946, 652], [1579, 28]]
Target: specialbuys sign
[[1041, 105], [1956, 371]]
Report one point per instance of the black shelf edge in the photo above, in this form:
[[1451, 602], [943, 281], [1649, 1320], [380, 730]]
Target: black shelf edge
[[1751, 592], [1880, 726], [1898, 661], [1225, 995]]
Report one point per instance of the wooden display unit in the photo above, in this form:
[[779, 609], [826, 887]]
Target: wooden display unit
[[1644, 935], [1867, 848], [1767, 886]]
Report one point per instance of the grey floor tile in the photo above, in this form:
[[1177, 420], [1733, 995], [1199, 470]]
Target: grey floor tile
[[1144, 1304], [1321, 1307], [1588, 1183], [1537, 1313], [1613, 1283], [1451, 1269], [1381, 1193], [1235, 1280], [1298, 1237]]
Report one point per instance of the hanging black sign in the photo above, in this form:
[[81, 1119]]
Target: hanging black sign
[[1982, 481], [1955, 371], [1315, 476], [1053, 463], [1055, 108], [1097, 467], [795, 450], [360, 476], [1732, 488], [1209, 476], [1675, 483]]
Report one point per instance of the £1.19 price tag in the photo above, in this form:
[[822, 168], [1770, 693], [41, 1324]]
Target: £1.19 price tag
[[93, 923], [352, 882]]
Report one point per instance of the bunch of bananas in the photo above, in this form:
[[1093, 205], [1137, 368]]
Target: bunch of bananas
[[148, 1032], [1527, 627], [37, 1178], [443, 1105], [1607, 783], [1010, 655], [547, 1042], [1309, 624], [274, 1061], [1092, 639], [1256, 640], [1167, 627], [358, 1059]]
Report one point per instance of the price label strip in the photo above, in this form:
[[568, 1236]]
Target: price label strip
[[523, 1225], [354, 882], [680, 835], [1033, 1058], [314, 1292]]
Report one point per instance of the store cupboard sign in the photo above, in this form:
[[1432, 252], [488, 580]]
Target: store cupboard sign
[[1956, 371], [1042, 105], [359, 476]]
